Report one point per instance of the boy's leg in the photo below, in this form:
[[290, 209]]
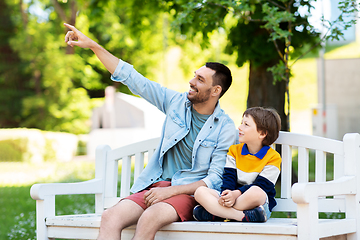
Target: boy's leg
[[203, 194], [250, 199], [252, 205], [115, 219], [209, 198]]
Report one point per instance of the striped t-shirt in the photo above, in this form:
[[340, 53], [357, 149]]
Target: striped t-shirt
[[243, 170]]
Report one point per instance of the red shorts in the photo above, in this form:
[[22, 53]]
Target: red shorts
[[183, 204]]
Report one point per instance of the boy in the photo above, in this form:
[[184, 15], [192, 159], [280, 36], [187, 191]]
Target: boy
[[251, 171]]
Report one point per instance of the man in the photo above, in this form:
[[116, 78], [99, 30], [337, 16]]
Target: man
[[192, 151]]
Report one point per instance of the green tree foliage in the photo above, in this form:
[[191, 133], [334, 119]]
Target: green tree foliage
[[58, 80], [264, 33], [13, 77]]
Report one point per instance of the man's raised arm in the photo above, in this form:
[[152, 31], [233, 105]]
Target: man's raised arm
[[77, 38]]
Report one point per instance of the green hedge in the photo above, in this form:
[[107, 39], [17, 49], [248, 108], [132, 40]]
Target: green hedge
[[34, 145], [13, 150]]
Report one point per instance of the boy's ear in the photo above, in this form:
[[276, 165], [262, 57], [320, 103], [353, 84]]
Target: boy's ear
[[262, 135]]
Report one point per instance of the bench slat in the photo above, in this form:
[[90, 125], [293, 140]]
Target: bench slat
[[320, 166], [286, 167], [139, 164], [125, 176], [303, 164]]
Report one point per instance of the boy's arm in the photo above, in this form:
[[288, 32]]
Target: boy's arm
[[229, 178]]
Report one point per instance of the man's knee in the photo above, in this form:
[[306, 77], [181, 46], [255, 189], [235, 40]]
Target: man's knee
[[159, 213], [107, 215]]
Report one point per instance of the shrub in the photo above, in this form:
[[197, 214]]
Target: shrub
[[13, 150]]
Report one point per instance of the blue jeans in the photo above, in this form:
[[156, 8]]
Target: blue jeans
[[266, 207]]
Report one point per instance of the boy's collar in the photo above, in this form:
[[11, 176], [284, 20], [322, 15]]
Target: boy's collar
[[260, 154]]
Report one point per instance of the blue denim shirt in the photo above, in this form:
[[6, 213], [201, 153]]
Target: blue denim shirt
[[210, 147]]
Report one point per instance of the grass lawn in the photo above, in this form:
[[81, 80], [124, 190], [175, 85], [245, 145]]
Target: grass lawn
[[17, 208]]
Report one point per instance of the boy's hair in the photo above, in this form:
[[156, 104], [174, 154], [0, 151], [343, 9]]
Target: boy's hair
[[267, 121], [222, 76]]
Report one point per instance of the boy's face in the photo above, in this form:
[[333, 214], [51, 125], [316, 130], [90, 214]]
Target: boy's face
[[248, 132]]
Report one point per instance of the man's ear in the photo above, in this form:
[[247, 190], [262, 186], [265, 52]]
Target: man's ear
[[216, 90]]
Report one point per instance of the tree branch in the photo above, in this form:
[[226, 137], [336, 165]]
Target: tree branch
[[278, 49], [277, 5], [59, 10], [24, 16]]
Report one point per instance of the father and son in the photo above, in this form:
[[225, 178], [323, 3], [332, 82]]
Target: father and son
[[200, 170]]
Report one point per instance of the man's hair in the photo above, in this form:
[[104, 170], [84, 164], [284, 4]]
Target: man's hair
[[222, 76], [267, 121]]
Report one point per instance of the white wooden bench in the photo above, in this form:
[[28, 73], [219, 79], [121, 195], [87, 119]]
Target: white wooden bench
[[306, 199]]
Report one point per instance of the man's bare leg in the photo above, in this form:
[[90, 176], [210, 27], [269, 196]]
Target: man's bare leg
[[154, 218], [115, 219]]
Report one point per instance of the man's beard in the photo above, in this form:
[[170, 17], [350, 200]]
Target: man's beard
[[200, 98]]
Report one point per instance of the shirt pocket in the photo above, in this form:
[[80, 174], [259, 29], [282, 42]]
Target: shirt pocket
[[174, 124], [204, 153]]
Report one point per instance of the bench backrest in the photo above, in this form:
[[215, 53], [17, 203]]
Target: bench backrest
[[318, 160], [134, 156]]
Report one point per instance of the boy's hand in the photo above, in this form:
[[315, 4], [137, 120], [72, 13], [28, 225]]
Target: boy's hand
[[77, 38], [228, 197]]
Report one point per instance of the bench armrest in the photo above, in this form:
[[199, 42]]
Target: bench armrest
[[302, 193], [39, 191]]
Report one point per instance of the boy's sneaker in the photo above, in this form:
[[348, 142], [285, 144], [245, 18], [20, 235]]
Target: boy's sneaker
[[200, 214], [257, 214]]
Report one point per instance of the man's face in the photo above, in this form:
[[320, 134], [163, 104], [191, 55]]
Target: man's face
[[201, 85]]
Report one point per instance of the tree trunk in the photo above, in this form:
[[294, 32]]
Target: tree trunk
[[262, 91]]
